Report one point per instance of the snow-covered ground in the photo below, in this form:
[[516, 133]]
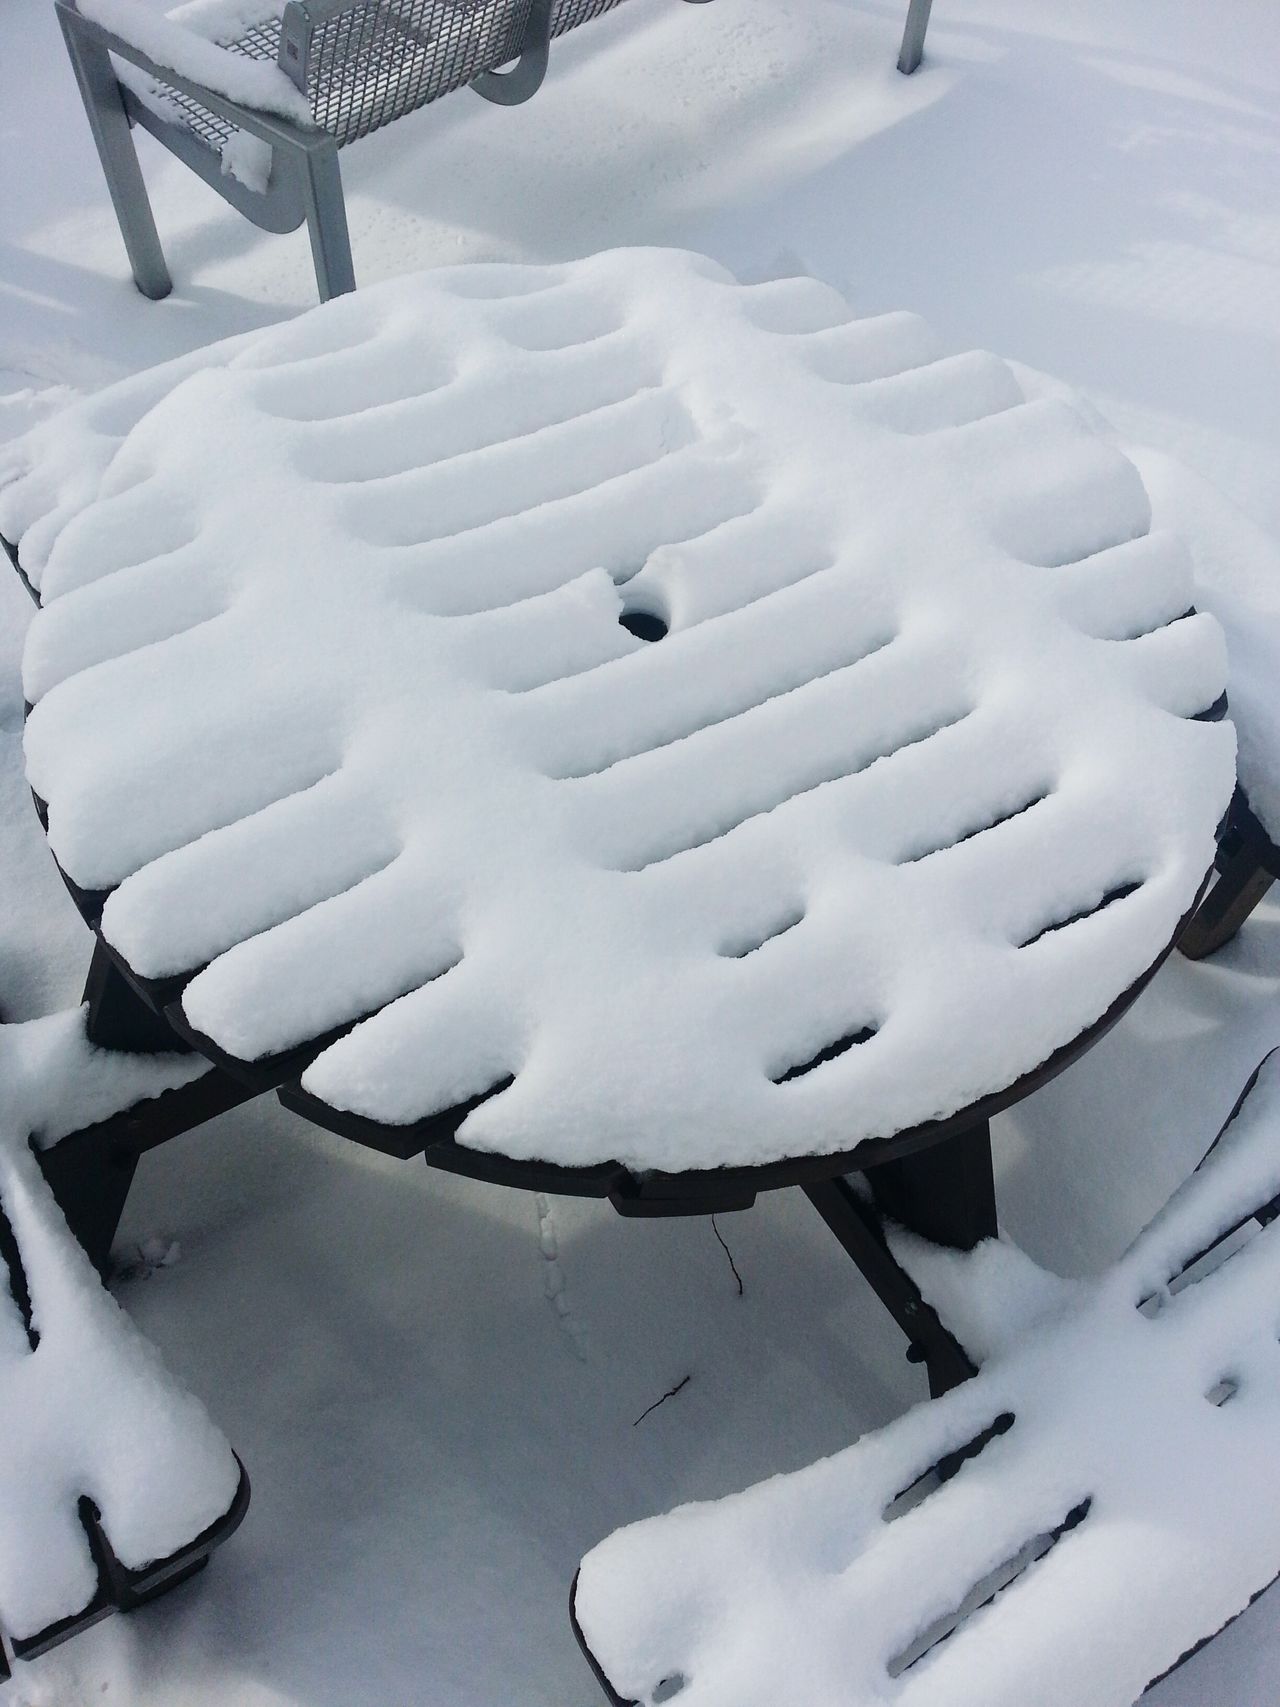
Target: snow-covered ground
[[435, 1385]]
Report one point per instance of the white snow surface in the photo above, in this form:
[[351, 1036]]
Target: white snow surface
[[91, 1410], [1089, 188], [345, 714], [813, 1588], [1238, 581]]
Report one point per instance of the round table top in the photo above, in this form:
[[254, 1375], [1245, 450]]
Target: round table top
[[634, 717]]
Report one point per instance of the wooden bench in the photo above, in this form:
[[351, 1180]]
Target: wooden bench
[[1061, 1529], [260, 113]]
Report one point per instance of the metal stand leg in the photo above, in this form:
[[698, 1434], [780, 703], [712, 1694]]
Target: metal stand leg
[[913, 36], [90, 1174], [321, 183], [110, 125]]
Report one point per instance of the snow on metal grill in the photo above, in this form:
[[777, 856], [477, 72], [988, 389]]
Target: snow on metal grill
[[261, 42], [373, 63], [568, 14], [704, 726]]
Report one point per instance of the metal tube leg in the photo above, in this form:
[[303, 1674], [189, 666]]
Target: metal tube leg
[[912, 51], [110, 126], [321, 181], [945, 1193]]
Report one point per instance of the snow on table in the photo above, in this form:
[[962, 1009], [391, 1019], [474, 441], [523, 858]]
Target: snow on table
[[87, 1409], [348, 689], [1129, 1426]]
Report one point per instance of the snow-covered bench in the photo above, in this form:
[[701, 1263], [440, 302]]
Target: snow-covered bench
[[114, 1484], [258, 97], [1107, 1501]]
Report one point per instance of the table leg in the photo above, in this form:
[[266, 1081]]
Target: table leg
[[946, 1193], [1241, 883], [118, 1018], [90, 1171], [1247, 862]]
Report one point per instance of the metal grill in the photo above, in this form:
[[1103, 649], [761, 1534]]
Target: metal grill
[[261, 42], [568, 14], [372, 63]]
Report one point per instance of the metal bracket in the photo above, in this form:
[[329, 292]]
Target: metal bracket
[[294, 57], [509, 88]]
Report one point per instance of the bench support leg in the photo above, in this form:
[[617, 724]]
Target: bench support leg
[[1243, 879], [90, 1175], [91, 1181], [912, 51], [321, 184], [90, 1172], [109, 123], [856, 1224]]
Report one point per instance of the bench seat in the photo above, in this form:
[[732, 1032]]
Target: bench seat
[[114, 1483], [1061, 1529], [257, 96]]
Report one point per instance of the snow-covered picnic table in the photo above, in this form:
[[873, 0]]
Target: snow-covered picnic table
[[361, 747], [619, 731]]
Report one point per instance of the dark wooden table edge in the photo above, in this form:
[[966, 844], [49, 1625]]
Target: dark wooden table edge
[[634, 1193]]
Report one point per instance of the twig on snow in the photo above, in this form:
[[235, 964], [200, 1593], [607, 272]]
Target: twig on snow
[[733, 1265], [669, 1394]]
